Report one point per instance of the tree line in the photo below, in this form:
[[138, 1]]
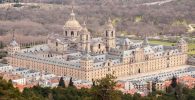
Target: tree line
[[102, 89]]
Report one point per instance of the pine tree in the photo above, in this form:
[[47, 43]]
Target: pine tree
[[174, 82], [93, 83], [104, 89], [61, 83], [1, 43], [71, 84]]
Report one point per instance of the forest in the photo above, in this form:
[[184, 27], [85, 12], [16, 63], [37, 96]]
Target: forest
[[102, 89], [128, 16]]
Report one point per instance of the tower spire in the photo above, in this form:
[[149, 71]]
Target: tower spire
[[145, 42], [85, 30], [13, 35], [109, 20], [84, 24], [72, 13]]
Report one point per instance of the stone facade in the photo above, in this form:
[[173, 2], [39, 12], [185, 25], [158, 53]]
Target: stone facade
[[77, 55]]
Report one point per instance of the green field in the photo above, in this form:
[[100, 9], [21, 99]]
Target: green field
[[161, 42], [191, 46]]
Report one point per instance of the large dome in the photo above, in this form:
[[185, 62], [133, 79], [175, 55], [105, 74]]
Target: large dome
[[72, 22]]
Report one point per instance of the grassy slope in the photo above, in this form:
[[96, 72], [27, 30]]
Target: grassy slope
[[190, 46], [161, 42]]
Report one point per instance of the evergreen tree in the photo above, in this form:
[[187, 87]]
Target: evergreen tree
[[1, 43], [71, 84], [174, 82], [61, 83], [104, 89], [93, 85]]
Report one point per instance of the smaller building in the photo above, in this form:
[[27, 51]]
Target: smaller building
[[187, 81], [191, 60], [16, 79], [5, 68]]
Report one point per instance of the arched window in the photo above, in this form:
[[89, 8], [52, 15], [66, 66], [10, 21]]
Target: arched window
[[72, 33], [66, 33], [87, 37], [56, 43], [99, 46], [139, 70], [106, 33], [112, 34], [81, 37]]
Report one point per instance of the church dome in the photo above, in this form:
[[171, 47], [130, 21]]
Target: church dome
[[72, 22]]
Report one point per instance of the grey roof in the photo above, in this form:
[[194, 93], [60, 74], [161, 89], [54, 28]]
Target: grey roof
[[13, 43]]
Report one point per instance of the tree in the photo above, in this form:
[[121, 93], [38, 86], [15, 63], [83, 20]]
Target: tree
[[4, 61], [174, 82], [71, 84], [1, 45], [61, 83], [93, 83], [104, 89], [136, 96]]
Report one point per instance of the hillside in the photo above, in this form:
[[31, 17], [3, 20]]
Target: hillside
[[129, 16]]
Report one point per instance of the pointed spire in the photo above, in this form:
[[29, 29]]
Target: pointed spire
[[85, 30], [84, 24], [13, 35], [109, 20], [13, 41], [109, 24], [72, 13]]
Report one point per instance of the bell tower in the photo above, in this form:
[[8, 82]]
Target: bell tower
[[85, 39], [182, 45], [86, 64], [109, 35], [13, 47]]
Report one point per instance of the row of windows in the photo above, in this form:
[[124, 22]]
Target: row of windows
[[72, 33]]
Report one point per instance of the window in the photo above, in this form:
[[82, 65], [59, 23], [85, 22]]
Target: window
[[56, 43], [99, 46], [139, 70], [66, 33], [112, 34], [106, 33], [72, 33]]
